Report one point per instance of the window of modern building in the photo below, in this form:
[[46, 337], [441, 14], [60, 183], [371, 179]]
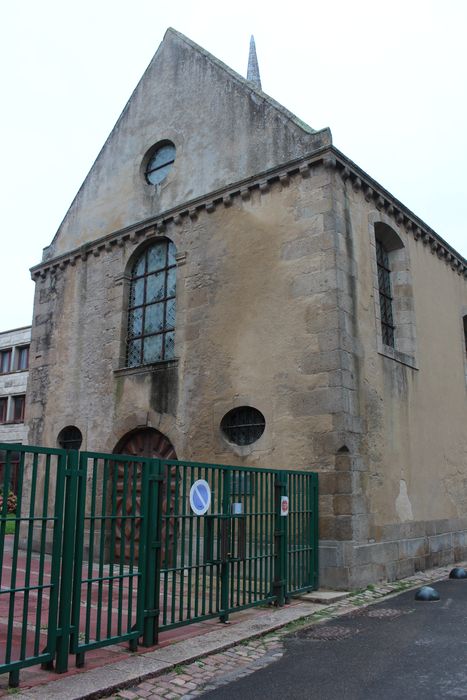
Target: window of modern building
[[465, 332], [151, 310], [70, 438], [385, 294], [5, 361], [3, 409], [18, 408], [22, 357], [13, 460]]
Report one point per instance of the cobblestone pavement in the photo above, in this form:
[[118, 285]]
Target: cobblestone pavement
[[210, 672], [194, 679]]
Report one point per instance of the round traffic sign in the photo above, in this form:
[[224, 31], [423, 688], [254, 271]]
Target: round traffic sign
[[200, 497]]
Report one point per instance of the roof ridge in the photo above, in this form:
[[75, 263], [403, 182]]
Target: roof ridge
[[243, 81]]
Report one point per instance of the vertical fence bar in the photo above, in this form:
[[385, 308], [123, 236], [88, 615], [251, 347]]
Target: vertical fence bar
[[13, 680], [78, 564], [42, 543], [280, 540], [315, 529], [111, 557], [70, 476], [225, 544], [150, 549]]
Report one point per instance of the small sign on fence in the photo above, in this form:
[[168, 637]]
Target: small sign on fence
[[284, 505], [200, 497]]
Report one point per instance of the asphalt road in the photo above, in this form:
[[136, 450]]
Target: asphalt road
[[399, 648]]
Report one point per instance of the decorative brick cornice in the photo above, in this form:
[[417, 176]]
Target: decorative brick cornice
[[242, 190]]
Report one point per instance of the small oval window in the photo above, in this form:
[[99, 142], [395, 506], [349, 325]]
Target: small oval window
[[243, 425], [160, 163]]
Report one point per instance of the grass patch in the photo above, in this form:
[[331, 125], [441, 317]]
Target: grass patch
[[402, 585], [10, 524]]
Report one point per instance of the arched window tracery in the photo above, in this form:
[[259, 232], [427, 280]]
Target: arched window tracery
[[151, 307]]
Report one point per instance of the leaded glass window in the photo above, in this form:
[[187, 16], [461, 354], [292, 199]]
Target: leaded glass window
[[151, 311], [385, 294]]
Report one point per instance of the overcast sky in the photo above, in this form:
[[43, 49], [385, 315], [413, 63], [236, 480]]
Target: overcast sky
[[388, 78]]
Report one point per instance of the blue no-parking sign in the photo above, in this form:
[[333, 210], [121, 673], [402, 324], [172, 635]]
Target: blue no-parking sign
[[200, 497]]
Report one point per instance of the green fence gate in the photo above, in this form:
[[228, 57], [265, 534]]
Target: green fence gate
[[107, 548]]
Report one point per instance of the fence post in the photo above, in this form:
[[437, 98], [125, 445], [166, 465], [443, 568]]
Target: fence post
[[280, 540], [67, 569], [151, 512], [315, 533], [225, 544], [78, 559]]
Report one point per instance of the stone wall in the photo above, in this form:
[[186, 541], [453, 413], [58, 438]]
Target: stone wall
[[404, 503], [277, 308]]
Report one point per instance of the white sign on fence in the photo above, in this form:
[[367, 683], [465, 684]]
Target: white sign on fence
[[200, 497]]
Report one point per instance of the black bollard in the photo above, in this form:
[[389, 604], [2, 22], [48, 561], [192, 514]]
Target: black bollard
[[427, 594], [458, 572]]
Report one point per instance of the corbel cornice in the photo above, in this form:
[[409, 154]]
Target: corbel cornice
[[241, 191], [392, 207]]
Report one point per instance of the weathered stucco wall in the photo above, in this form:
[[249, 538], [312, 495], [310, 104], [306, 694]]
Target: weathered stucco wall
[[276, 309], [222, 130], [251, 279]]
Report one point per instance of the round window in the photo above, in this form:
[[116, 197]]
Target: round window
[[243, 425], [70, 438], [160, 163]]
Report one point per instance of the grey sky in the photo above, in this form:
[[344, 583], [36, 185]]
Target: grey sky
[[387, 78]]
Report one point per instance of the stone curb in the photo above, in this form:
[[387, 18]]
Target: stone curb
[[104, 681]]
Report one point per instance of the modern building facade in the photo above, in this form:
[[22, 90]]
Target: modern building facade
[[14, 370], [229, 287]]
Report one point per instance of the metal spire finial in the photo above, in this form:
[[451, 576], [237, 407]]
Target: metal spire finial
[[253, 68]]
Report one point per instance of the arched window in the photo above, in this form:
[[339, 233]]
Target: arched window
[[151, 310], [390, 258], [385, 294], [393, 293]]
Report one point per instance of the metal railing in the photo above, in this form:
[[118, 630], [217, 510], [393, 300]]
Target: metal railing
[[105, 549]]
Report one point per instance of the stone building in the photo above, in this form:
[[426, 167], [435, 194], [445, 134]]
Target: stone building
[[319, 323]]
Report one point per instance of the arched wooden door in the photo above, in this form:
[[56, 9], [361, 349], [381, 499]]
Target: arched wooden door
[[144, 442]]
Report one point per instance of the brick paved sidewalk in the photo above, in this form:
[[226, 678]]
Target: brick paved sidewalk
[[194, 679]]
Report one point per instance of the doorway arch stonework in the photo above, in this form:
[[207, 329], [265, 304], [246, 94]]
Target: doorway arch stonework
[[143, 442]]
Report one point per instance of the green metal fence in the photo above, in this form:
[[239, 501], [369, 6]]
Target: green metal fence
[[302, 538], [30, 550], [108, 549]]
